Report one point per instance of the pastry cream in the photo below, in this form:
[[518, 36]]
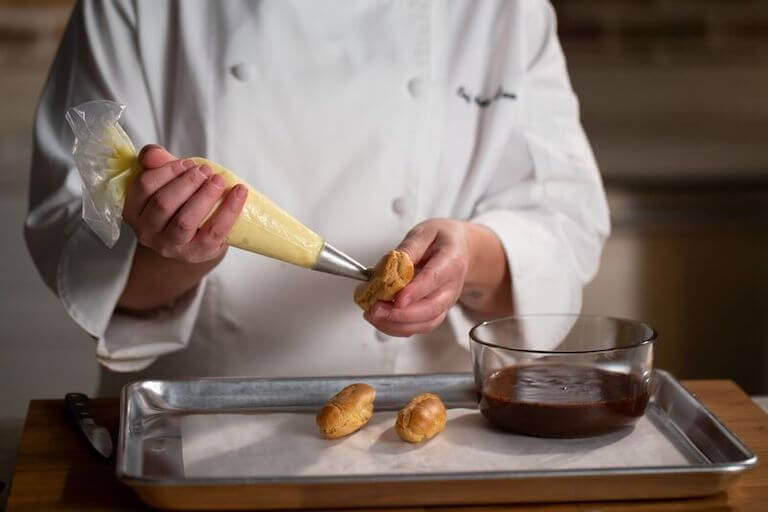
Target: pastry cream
[[263, 227]]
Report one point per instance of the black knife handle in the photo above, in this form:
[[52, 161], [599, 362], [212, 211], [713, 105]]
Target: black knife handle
[[78, 406]]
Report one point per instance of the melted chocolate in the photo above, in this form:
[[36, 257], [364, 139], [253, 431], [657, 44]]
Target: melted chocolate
[[562, 400]]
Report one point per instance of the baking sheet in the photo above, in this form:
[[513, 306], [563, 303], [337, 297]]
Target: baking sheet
[[287, 444], [189, 444]]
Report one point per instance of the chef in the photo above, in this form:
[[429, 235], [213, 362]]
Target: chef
[[448, 129]]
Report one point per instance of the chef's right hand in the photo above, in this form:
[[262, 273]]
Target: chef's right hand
[[166, 204]]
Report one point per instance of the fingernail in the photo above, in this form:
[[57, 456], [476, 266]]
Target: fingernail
[[240, 191], [206, 170], [187, 164], [146, 149], [218, 181]]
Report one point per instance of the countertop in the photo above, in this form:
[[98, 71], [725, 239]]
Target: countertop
[[57, 471]]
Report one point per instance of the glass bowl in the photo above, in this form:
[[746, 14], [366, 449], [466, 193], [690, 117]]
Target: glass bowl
[[562, 375]]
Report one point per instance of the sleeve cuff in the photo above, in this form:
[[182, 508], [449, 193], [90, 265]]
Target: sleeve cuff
[[542, 277], [90, 280], [132, 343]]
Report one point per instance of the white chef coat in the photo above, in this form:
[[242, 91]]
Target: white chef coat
[[361, 119]]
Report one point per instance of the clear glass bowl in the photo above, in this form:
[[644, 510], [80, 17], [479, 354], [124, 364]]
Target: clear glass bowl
[[561, 375]]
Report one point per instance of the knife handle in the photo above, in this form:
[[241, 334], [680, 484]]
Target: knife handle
[[78, 406]]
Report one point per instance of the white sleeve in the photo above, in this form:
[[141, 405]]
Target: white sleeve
[[552, 224], [97, 59]]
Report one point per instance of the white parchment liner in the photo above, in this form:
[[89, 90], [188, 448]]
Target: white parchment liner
[[287, 444]]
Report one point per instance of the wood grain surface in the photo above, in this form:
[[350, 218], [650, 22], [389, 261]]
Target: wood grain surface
[[56, 470]]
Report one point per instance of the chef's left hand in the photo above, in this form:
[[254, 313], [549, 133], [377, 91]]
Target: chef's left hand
[[440, 251]]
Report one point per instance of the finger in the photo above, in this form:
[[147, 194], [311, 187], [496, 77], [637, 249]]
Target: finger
[[212, 236], [437, 271], [153, 156], [166, 201], [417, 241], [425, 310], [183, 227], [405, 330], [149, 182]]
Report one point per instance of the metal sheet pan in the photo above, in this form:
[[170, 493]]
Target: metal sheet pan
[[150, 450]]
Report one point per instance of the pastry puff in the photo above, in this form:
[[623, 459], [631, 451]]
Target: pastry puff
[[393, 272]]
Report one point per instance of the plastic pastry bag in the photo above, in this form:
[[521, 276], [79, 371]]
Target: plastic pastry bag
[[108, 162]]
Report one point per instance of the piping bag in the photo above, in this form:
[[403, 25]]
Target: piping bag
[[107, 162]]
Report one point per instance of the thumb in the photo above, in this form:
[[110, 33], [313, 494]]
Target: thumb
[[417, 241], [153, 156]]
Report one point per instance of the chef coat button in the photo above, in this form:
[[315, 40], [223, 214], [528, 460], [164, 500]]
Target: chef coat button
[[381, 336], [416, 87], [243, 72], [400, 206]]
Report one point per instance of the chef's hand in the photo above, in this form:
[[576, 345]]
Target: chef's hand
[[168, 201], [455, 261], [165, 205]]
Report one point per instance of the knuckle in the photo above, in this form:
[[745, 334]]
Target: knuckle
[[161, 203], [233, 205], [194, 176], [177, 167], [418, 228], [217, 234], [459, 264], [214, 233], [194, 257], [211, 191], [210, 252], [169, 252], [145, 183], [184, 223], [449, 299], [407, 246]]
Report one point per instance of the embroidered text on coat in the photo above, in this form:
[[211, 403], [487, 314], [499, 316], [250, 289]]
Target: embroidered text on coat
[[484, 101]]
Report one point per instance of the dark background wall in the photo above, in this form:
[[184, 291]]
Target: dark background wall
[[674, 97]]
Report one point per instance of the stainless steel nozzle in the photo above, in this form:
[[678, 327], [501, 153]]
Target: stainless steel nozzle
[[333, 261]]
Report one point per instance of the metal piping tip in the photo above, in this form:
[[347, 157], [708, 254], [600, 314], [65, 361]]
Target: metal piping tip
[[333, 261]]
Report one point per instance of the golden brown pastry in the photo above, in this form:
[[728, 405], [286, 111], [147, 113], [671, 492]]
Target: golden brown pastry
[[393, 272], [423, 418], [346, 411]]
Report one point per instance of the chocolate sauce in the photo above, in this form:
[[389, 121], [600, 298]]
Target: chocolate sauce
[[562, 400]]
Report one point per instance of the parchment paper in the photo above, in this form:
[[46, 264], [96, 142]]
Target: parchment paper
[[287, 444]]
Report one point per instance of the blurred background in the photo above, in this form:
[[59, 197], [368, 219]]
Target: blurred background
[[674, 98]]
